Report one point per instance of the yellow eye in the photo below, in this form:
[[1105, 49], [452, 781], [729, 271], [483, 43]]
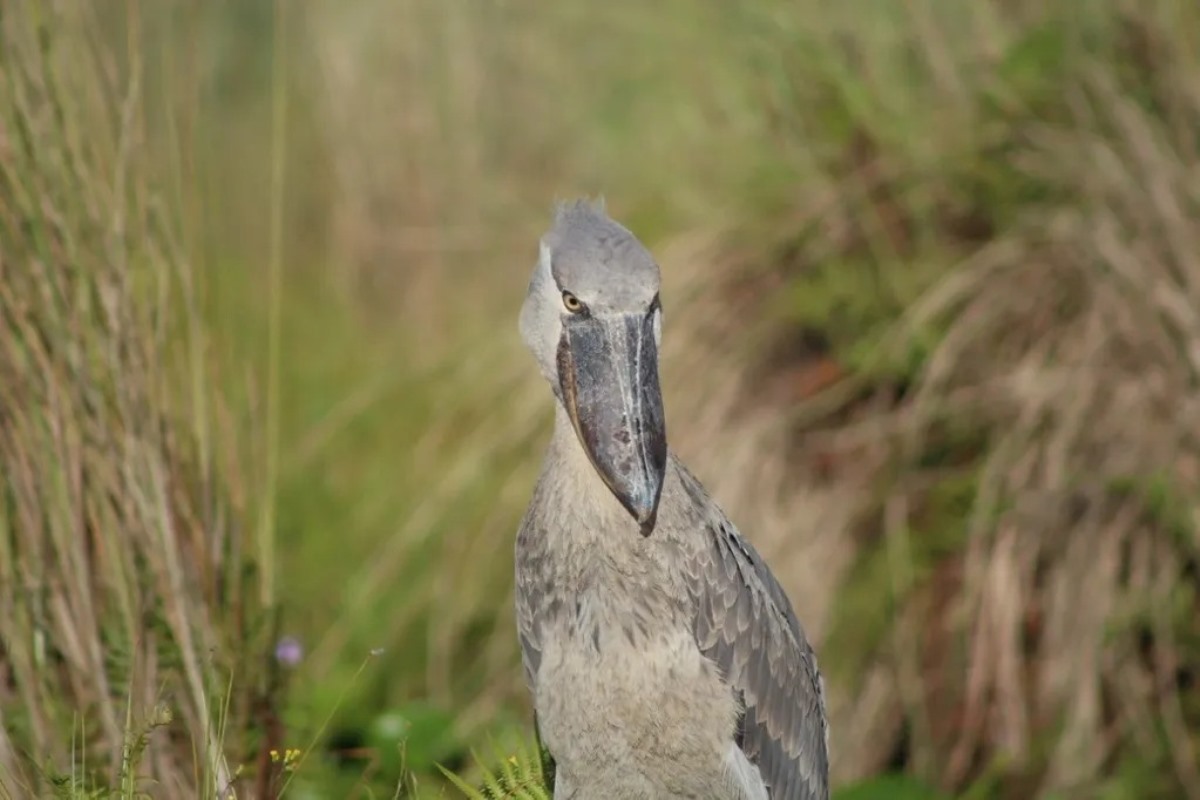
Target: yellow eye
[[572, 303]]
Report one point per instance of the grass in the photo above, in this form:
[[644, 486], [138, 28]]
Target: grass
[[930, 277], [124, 581]]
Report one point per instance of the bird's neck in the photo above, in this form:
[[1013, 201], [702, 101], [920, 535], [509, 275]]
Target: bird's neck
[[578, 489], [589, 539]]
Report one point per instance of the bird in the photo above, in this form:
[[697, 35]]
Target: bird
[[663, 658]]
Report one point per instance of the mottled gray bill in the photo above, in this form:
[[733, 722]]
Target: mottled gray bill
[[608, 368]]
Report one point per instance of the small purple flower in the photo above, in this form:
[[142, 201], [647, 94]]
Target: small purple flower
[[289, 651]]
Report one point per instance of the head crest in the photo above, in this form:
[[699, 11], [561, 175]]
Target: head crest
[[580, 207]]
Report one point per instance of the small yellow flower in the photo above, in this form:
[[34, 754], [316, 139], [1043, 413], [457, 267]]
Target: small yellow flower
[[289, 757]]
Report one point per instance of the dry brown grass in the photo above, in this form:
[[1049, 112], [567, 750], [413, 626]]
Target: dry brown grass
[[122, 586], [1075, 348]]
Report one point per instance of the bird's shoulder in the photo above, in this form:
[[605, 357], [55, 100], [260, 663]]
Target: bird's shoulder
[[721, 542], [745, 623]]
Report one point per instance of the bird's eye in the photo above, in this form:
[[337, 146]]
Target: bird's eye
[[572, 303]]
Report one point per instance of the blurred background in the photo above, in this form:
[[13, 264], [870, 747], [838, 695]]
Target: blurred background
[[932, 292]]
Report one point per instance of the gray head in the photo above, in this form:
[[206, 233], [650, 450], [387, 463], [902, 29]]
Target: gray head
[[594, 323]]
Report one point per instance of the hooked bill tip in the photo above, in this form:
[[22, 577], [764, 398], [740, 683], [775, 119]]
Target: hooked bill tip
[[646, 515]]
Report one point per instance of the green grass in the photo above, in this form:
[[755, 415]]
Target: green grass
[[259, 275]]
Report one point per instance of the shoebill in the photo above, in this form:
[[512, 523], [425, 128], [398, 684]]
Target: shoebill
[[663, 657]]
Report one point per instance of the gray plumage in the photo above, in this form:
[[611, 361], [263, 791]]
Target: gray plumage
[[664, 659]]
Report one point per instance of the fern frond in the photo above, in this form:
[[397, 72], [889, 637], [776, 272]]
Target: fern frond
[[518, 776]]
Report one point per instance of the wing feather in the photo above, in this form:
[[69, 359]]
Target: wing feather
[[746, 625]]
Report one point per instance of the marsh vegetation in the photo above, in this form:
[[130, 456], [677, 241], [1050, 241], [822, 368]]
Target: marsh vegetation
[[266, 428]]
